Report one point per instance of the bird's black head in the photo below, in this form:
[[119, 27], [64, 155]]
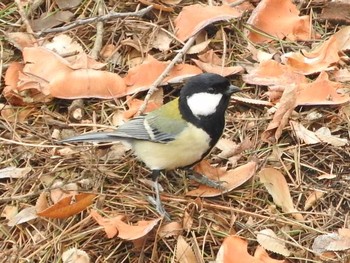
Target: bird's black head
[[204, 100]]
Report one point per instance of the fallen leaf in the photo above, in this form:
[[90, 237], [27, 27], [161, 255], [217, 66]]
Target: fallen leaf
[[170, 230], [162, 40], [322, 57], [68, 4], [74, 255], [324, 134], [231, 179], [234, 250], [60, 190], [47, 20], [115, 226], [271, 72], [281, 116], [87, 83], [14, 172], [277, 187], [15, 114], [336, 12], [184, 253], [333, 241], [313, 198], [25, 215], [194, 18], [68, 206], [280, 19], [342, 75], [21, 40], [9, 212], [269, 240], [141, 77], [304, 134], [322, 91], [187, 221]]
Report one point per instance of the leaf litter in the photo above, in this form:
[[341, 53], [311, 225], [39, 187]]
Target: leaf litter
[[32, 120]]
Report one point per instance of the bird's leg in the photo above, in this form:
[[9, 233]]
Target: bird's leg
[[158, 203], [202, 179]]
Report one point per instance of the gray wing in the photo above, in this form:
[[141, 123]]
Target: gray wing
[[144, 128]]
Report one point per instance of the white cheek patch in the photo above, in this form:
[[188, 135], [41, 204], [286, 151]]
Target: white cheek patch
[[203, 104]]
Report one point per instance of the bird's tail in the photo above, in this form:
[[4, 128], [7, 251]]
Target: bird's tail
[[95, 137]]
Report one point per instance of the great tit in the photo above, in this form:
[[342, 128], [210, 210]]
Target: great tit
[[181, 132]]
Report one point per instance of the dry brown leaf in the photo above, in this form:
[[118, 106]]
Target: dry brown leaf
[[212, 63], [324, 134], [68, 206], [322, 57], [16, 115], [322, 91], [41, 202], [25, 215], [21, 39], [116, 226], [170, 230], [135, 104], [271, 72], [342, 75], [162, 40], [184, 253], [332, 242], [62, 79], [187, 221], [70, 49], [269, 240], [87, 83], [234, 250], [281, 116], [336, 12], [9, 212], [304, 134], [194, 18], [74, 255], [223, 71], [61, 190], [277, 187], [67, 4], [141, 77], [281, 20], [313, 198], [51, 20], [14, 172], [231, 178]]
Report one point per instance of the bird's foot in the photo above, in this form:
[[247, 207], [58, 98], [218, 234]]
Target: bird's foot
[[202, 179], [156, 201]]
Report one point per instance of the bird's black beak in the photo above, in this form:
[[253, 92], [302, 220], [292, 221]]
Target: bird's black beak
[[232, 89]]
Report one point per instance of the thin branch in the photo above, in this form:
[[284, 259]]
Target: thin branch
[[99, 31], [90, 20], [166, 71], [24, 17]]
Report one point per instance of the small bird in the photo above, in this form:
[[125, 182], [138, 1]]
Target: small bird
[[180, 133]]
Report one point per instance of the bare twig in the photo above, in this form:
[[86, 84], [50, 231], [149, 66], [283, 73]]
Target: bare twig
[[24, 18], [166, 71], [99, 31], [90, 20]]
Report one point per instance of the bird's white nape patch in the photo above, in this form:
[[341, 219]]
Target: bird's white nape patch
[[203, 103]]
